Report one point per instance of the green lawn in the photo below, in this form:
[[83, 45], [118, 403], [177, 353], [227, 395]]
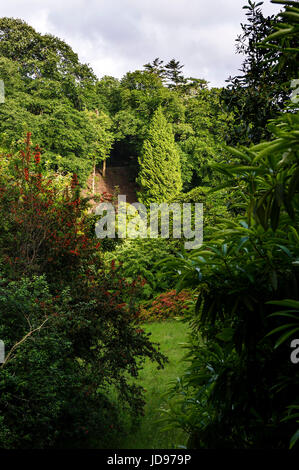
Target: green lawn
[[171, 335]]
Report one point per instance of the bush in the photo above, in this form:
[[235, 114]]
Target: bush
[[167, 305], [137, 259], [69, 335], [240, 389]]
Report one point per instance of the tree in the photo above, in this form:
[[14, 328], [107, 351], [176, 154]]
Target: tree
[[47, 91], [101, 137], [70, 335], [260, 92], [156, 67], [160, 168], [174, 74], [241, 390], [40, 55]]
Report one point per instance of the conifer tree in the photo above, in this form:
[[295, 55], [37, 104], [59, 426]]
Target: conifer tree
[[160, 168], [174, 74]]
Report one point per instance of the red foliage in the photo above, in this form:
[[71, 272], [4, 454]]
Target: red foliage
[[51, 230], [167, 305]]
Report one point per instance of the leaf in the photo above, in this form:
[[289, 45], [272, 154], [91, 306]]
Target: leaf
[[286, 250], [291, 14], [261, 215], [243, 223], [243, 240], [285, 313], [274, 214], [293, 185], [281, 328], [284, 337], [279, 33], [285, 303], [226, 334], [294, 439], [238, 153], [295, 233]]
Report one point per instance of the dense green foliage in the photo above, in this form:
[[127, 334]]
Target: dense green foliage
[[47, 92], [76, 118], [72, 308], [137, 258], [241, 388], [160, 168], [60, 312], [261, 91]]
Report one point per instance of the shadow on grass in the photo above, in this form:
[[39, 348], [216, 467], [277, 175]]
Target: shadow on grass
[[148, 433]]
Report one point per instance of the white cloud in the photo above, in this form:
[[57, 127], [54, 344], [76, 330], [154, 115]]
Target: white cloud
[[115, 36]]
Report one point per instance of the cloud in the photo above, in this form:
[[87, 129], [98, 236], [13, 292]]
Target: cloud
[[115, 36]]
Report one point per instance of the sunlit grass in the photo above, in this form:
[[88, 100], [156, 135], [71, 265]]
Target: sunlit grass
[[149, 435]]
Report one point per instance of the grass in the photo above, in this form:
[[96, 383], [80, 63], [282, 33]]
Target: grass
[[149, 435]]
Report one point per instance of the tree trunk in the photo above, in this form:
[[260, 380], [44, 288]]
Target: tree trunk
[[93, 178], [104, 168]]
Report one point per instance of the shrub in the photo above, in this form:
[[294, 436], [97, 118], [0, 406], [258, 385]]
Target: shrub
[[137, 259], [240, 389], [167, 305], [69, 335]]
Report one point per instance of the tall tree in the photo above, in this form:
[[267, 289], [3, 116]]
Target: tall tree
[[102, 139], [47, 91], [156, 67], [174, 74], [261, 90], [160, 167]]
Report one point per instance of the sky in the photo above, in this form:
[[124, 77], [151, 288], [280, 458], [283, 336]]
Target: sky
[[118, 36]]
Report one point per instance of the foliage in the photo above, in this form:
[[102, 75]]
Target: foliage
[[171, 72], [137, 258], [239, 386], [160, 169], [261, 91], [46, 92], [202, 146], [61, 311], [167, 305], [150, 434], [216, 205], [70, 305], [78, 121]]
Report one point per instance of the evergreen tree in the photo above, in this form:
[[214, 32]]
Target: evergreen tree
[[160, 168], [156, 67], [174, 74]]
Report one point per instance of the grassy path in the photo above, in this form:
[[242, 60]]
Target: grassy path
[[170, 335]]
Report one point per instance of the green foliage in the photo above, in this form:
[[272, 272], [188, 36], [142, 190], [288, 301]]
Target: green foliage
[[68, 332], [160, 169], [261, 91], [240, 385], [288, 329], [137, 259], [46, 92], [150, 434], [203, 146], [216, 206], [69, 308], [40, 56], [100, 137]]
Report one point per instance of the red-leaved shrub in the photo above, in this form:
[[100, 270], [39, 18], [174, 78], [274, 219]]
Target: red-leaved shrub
[[167, 305]]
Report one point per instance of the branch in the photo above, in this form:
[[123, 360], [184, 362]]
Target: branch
[[9, 355]]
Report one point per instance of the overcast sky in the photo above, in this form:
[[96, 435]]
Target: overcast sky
[[117, 36]]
